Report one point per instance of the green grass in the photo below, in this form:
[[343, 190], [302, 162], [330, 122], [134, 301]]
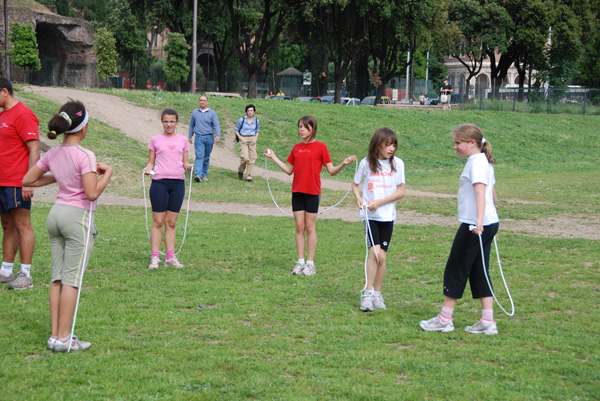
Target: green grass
[[235, 325]]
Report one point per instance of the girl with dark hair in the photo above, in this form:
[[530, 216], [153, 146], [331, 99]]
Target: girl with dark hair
[[246, 133], [71, 220], [306, 162], [168, 159], [382, 174], [476, 208]]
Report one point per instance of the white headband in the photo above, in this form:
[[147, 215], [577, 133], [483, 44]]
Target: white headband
[[80, 126]]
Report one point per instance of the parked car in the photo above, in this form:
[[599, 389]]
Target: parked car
[[279, 97], [370, 100], [350, 101], [327, 99], [308, 99]]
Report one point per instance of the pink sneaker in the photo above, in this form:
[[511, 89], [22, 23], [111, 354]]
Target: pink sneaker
[[174, 263], [154, 262]]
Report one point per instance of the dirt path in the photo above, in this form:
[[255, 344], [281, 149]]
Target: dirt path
[[117, 112]]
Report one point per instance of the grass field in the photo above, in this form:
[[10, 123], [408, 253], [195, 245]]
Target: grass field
[[235, 325]]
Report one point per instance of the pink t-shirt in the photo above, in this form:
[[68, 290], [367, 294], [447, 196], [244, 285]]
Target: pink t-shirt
[[169, 156], [68, 164]]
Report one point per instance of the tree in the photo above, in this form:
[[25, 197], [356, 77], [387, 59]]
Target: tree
[[485, 28], [106, 53], [340, 34], [129, 34], [176, 69], [400, 26], [256, 28], [214, 19], [24, 51]]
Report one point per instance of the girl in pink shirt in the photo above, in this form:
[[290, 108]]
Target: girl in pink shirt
[[168, 158], [70, 222]]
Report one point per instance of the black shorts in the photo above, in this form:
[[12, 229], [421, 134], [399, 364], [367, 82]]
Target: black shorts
[[381, 232], [464, 262], [10, 198], [307, 202], [167, 194]]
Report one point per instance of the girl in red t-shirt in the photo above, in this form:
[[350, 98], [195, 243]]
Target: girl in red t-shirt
[[306, 161]]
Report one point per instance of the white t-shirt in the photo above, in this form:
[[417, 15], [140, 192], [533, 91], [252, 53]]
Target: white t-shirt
[[378, 185], [477, 170]]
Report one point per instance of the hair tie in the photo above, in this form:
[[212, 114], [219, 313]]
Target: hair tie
[[483, 140], [53, 132], [66, 117]]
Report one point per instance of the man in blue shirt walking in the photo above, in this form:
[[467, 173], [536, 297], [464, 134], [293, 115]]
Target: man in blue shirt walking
[[204, 124]]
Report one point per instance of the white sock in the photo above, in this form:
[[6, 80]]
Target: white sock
[[7, 269], [376, 292], [369, 292], [26, 269], [301, 261], [310, 262], [64, 340]]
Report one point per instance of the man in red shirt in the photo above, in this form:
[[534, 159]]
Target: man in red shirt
[[20, 150]]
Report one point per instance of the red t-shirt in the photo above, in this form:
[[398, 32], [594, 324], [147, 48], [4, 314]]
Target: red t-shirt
[[308, 160], [17, 126]]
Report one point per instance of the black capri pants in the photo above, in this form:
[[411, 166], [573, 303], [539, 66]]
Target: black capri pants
[[464, 262]]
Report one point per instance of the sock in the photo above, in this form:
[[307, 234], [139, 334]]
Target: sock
[[310, 262], [445, 315], [487, 316], [377, 293], [170, 254], [7, 269], [369, 292], [301, 261], [64, 340], [26, 269], [155, 254]]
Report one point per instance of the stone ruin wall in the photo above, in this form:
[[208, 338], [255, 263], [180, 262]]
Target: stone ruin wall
[[66, 47]]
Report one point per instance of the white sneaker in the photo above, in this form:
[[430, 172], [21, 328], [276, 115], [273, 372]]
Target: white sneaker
[[51, 342], [480, 328], [173, 262], [154, 262], [378, 301], [298, 269], [309, 270], [76, 345], [366, 302], [434, 324]]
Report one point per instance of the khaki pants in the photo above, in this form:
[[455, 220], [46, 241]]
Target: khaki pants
[[247, 154]]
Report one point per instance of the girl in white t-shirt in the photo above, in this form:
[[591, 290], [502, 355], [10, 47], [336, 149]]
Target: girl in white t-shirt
[[382, 175], [168, 158], [70, 221], [476, 207]]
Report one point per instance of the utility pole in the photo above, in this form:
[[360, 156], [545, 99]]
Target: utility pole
[[194, 49]]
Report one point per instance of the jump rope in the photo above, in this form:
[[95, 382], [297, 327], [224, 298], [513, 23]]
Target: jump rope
[[187, 213], [85, 255], [512, 304], [289, 214]]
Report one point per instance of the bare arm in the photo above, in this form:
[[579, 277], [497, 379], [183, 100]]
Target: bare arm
[[287, 168], [356, 192], [94, 187], [480, 202], [334, 170], [36, 177], [186, 165], [151, 162], [34, 155]]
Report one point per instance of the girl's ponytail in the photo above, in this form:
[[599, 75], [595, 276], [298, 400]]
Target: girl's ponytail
[[70, 115]]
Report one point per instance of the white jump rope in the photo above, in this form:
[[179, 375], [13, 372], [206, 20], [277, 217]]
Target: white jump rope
[[289, 214], [471, 228], [85, 255], [368, 236], [187, 213]]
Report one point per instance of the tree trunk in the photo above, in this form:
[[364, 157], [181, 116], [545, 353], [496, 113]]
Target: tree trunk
[[252, 77]]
